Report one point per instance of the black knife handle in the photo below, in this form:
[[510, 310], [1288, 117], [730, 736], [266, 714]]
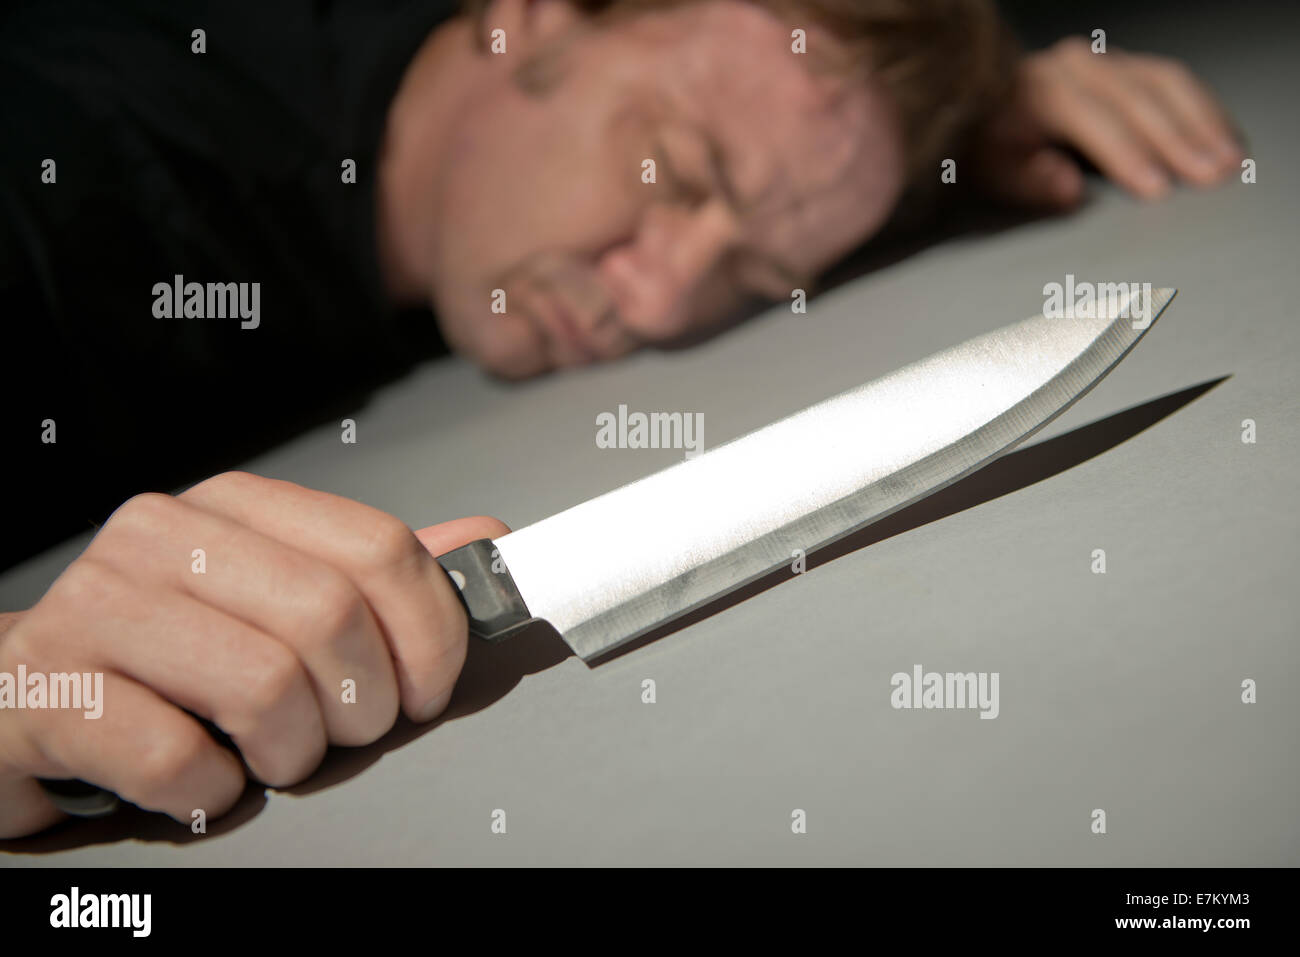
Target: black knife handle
[[492, 601], [79, 798]]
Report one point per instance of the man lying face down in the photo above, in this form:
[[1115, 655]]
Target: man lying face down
[[221, 232], [213, 233], [782, 133], [654, 165]]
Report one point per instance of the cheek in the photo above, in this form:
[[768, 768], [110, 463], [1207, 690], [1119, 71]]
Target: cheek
[[480, 205], [527, 176]]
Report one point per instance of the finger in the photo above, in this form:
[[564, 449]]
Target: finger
[[411, 597], [1195, 107], [250, 685], [1045, 178], [1151, 122], [1091, 125], [442, 538], [309, 607], [27, 808], [142, 748]]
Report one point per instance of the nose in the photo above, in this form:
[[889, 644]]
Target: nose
[[653, 276]]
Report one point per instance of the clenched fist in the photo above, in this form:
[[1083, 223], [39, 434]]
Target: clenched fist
[[296, 592]]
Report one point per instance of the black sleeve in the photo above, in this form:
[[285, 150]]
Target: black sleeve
[[219, 168]]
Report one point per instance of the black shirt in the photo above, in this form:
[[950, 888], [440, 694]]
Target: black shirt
[[224, 166]]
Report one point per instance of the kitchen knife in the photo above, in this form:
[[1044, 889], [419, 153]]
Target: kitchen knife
[[607, 571], [612, 568]]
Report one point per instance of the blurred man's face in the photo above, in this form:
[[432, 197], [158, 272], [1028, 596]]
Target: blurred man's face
[[766, 174]]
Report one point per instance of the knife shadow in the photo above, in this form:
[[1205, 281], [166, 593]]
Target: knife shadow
[[1012, 472], [492, 670]]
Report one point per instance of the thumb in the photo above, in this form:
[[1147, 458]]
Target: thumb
[[442, 538]]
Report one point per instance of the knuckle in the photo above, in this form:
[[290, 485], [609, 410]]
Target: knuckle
[[388, 543], [369, 727], [19, 644], [1175, 68], [1172, 71], [86, 583], [234, 479], [276, 677], [32, 744], [336, 610], [283, 777], [291, 767], [161, 771], [149, 511], [1073, 47]]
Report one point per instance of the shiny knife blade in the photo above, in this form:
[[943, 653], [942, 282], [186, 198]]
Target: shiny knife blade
[[612, 568]]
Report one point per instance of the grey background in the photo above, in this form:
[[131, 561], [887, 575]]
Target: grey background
[[1118, 691]]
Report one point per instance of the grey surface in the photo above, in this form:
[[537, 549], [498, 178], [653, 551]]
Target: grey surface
[[1118, 691]]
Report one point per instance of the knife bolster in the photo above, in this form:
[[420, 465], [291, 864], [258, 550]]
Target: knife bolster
[[495, 608]]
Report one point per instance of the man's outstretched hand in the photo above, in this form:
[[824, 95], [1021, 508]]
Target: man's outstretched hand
[[296, 593], [1144, 121]]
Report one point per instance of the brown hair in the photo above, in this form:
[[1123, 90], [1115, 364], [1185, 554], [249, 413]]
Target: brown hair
[[946, 64]]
